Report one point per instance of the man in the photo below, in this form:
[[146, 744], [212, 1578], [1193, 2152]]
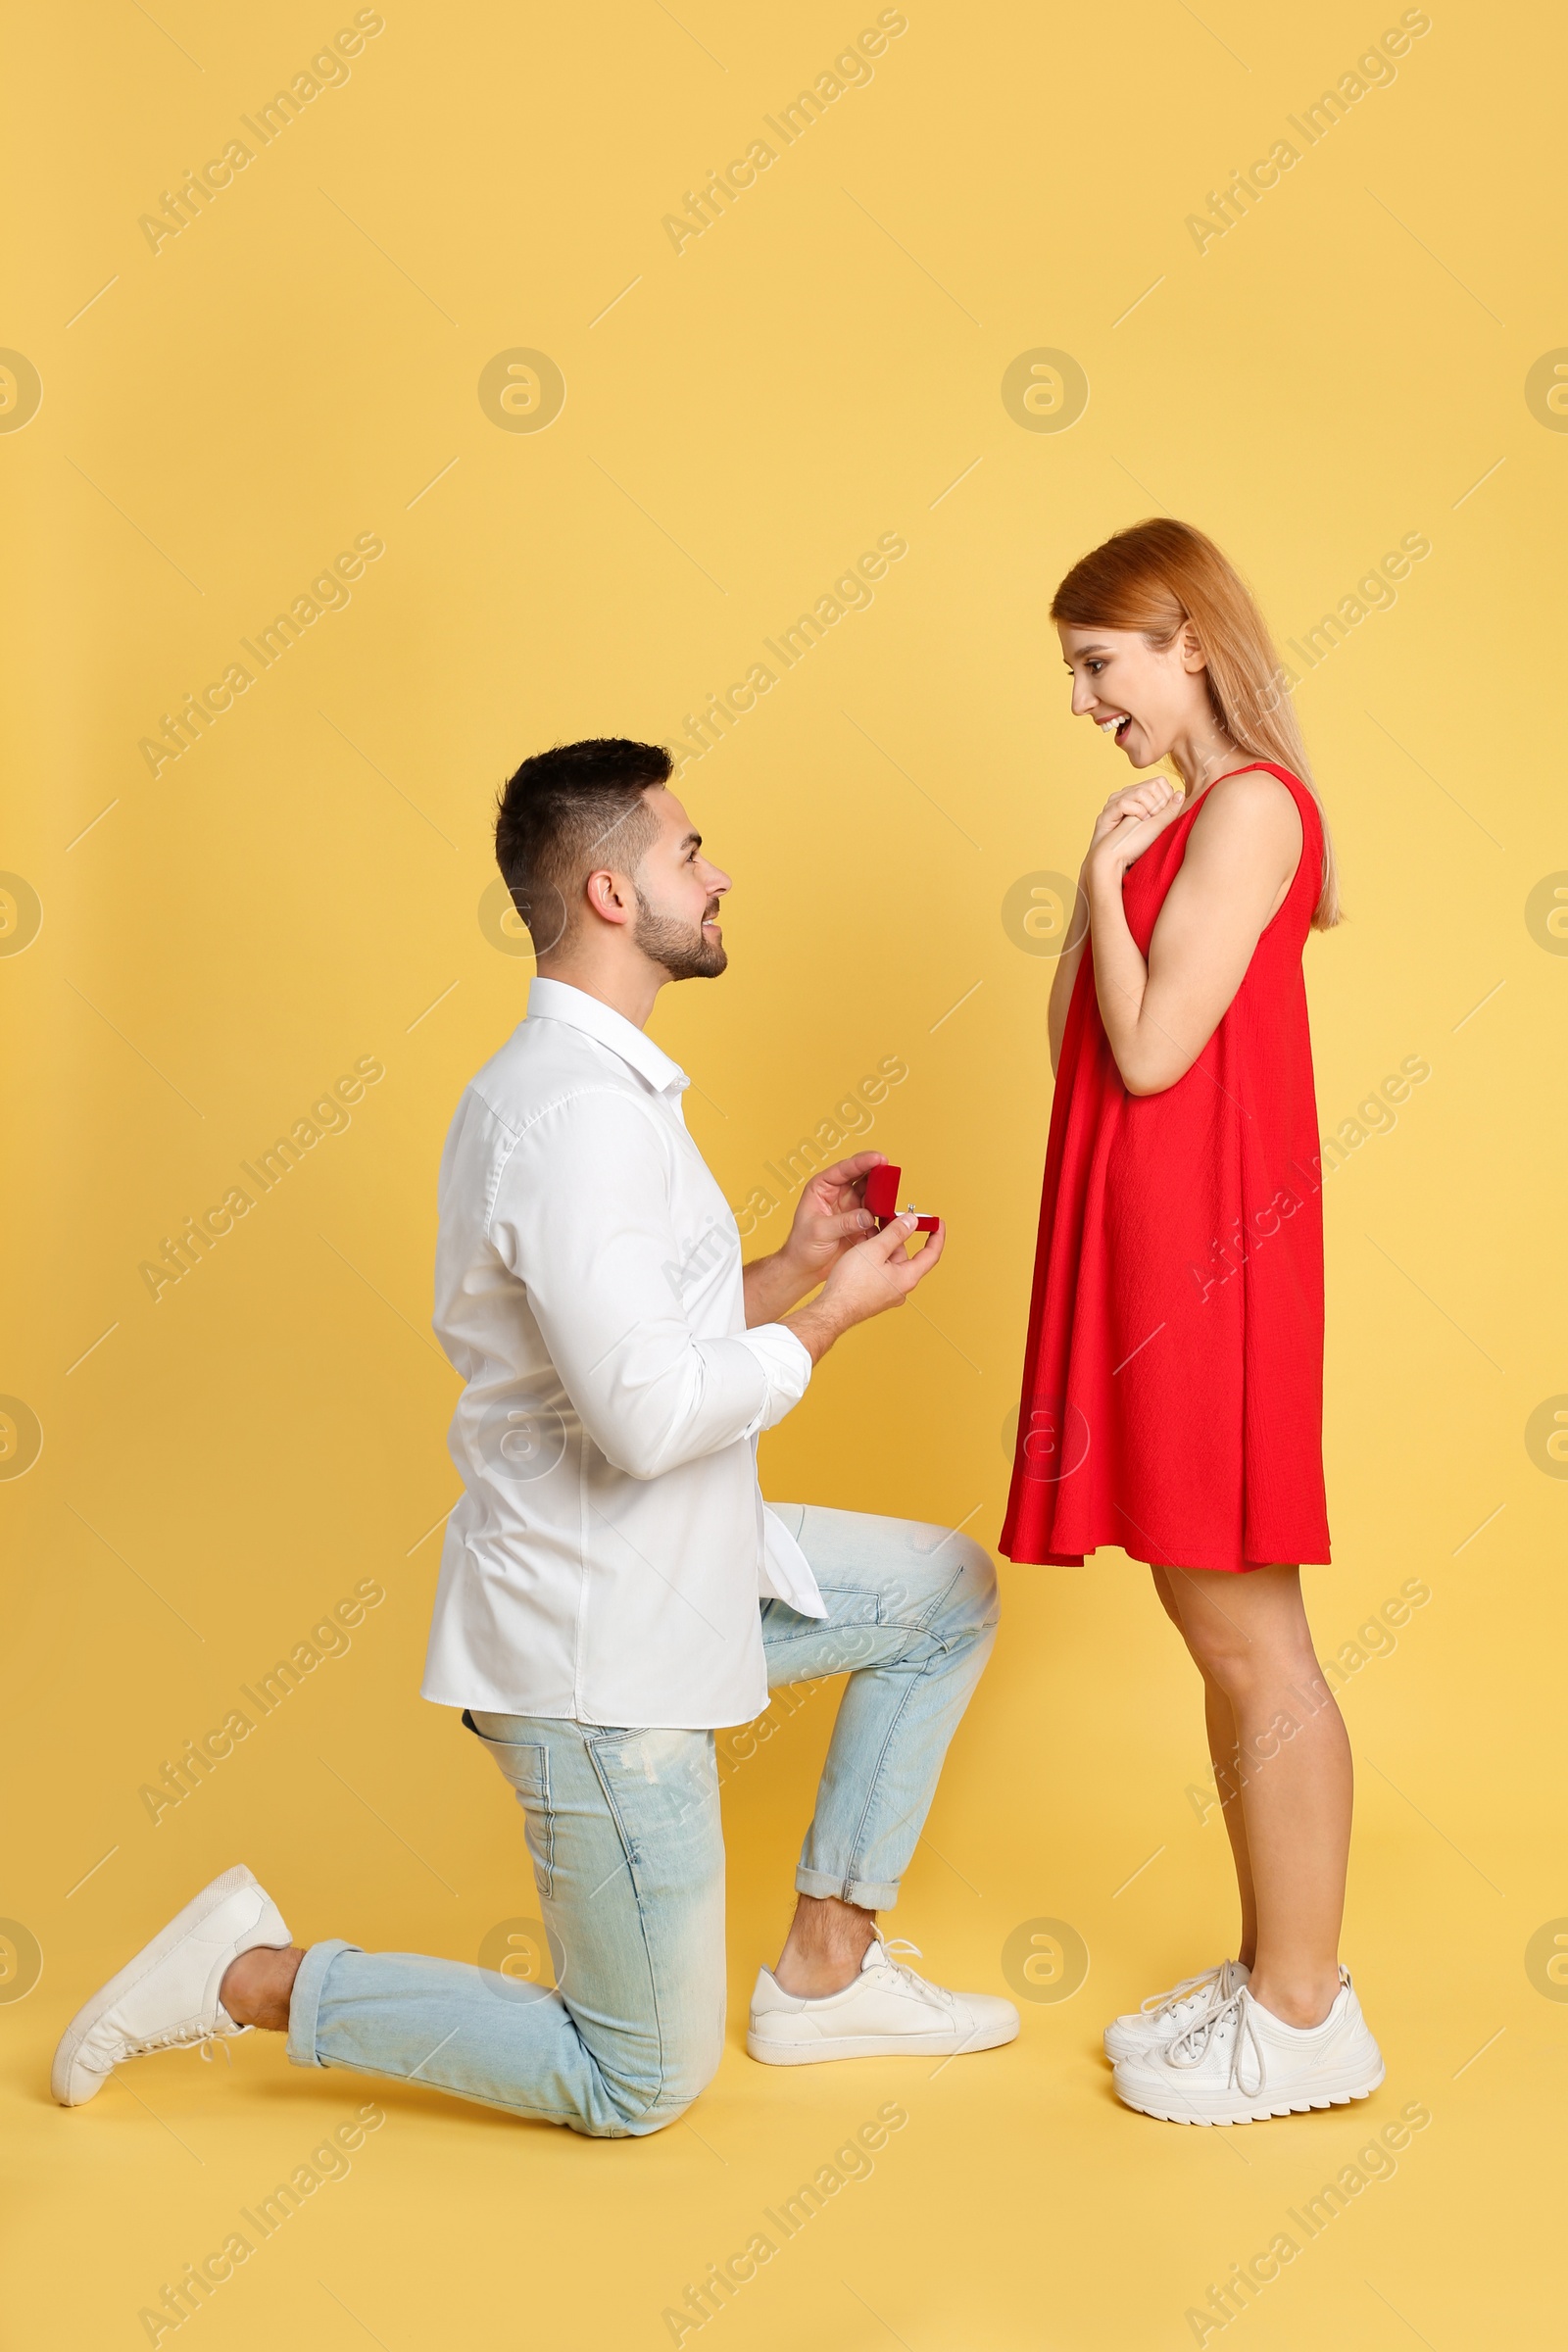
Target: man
[[598, 1617]]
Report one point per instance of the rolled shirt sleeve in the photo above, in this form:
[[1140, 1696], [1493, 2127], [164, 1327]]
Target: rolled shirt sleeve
[[582, 1217], [786, 1362]]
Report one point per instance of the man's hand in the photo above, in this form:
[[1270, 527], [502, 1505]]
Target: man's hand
[[830, 1218], [870, 1277]]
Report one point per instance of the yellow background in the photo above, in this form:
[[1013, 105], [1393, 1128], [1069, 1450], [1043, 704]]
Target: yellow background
[[299, 365]]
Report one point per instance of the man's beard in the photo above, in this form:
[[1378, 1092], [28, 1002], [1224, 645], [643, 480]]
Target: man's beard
[[685, 954]]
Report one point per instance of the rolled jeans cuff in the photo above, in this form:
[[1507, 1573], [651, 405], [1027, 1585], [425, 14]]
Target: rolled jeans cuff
[[304, 2002], [867, 1895]]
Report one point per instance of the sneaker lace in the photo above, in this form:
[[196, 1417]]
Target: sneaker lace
[[1163, 2004], [1190, 2048], [202, 2034], [917, 1984]]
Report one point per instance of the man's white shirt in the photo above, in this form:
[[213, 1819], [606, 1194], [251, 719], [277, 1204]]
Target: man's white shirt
[[606, 1559]]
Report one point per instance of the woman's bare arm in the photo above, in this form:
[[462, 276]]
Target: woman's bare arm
[[1135, 799], [1243, 852]]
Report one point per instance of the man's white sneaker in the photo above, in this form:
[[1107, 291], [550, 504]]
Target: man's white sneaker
[[1239, 2064], [166, 1998], [887, 2011], [1166, 2014]]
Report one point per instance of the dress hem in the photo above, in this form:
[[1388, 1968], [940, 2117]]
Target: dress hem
[[1305, 1558]]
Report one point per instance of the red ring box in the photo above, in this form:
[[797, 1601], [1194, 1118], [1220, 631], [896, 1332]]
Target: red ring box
[[882, 1199]]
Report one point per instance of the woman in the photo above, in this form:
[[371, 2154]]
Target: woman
[[1172, 1393]]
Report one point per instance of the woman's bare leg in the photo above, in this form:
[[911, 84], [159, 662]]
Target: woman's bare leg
[[1219, 1721], [1249, 1635], [1224, 1748]]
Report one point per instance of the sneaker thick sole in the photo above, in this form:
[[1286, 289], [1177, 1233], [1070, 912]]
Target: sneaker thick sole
[[772, 2052], [85, 2085], [1335, 2089]]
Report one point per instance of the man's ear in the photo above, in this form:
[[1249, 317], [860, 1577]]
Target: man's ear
[[609, 895]]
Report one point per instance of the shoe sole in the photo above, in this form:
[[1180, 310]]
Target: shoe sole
[[1262, 2111], [200, 1907], [878, 2046]]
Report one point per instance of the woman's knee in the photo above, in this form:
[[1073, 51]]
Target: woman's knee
[[1247, 1663]]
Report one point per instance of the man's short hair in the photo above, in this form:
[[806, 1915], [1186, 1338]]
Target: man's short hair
[[566, 811]]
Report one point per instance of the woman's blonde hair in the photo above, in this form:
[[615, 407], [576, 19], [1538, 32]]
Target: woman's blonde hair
[[1156, 578]]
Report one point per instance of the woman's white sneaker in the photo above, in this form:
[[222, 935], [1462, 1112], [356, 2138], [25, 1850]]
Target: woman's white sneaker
[[886, 2011], [1239, 2064], [1166, 2014], [166, 1998]]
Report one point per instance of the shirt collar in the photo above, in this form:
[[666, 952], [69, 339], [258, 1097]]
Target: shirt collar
[[559, 1001]]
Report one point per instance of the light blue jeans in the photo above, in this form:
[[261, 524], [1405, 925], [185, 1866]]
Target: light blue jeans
[[622, 1827]]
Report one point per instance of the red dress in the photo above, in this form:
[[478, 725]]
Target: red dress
[[1173, 1375]]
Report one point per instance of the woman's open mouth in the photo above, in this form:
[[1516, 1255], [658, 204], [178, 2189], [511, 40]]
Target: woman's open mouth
[[1116, 726]]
